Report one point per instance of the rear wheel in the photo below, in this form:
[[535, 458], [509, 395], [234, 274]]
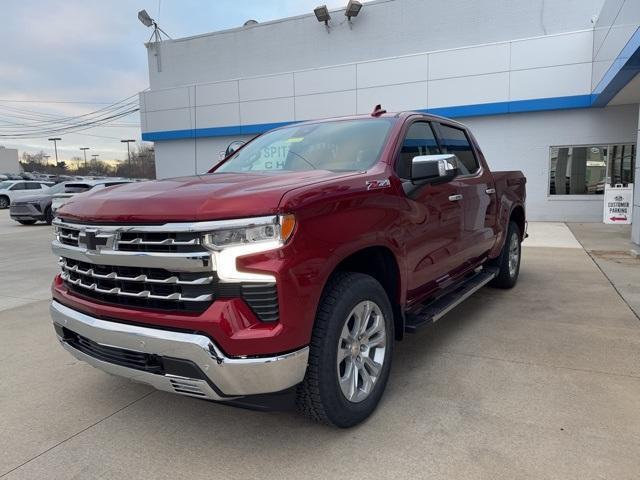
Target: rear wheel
[[350, 354], [4, 202], [27, 222], [508, 262]]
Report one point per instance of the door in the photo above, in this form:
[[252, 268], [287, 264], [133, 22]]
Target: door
[[433, 232], [478, 193], [19, 190]]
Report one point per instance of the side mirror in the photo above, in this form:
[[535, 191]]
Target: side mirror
[[233, 147], [439, 168]]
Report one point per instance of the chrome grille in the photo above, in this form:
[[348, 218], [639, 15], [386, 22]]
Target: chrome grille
[[159, 242], [68, 236], [142, 287], [148, 267], [129, 241]]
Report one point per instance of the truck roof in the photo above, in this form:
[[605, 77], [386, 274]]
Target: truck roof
[[392, 115]]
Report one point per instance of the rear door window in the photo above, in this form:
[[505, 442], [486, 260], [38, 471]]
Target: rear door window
[[454, 140], [419, 140], [33, 186]]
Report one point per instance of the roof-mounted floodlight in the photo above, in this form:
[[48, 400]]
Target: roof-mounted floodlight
[[144, 17], [353, 9], [322, 14], [147, 21], [156, 35]]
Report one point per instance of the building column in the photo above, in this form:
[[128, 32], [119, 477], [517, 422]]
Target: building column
[[635, 228]]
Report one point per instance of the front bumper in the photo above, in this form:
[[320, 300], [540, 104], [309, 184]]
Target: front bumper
[[189, 364], [25, 211]]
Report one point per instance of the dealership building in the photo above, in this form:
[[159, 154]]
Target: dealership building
[[549, 88]]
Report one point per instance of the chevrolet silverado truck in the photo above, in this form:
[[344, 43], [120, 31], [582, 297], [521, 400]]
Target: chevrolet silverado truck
[[286, 273]]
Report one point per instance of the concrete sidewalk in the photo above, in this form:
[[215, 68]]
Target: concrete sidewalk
[[541, 381]]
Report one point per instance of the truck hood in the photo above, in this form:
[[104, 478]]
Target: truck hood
[[215, 196]]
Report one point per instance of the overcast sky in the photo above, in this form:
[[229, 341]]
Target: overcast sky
[[93, 51]]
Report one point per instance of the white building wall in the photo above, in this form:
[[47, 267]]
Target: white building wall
[[528, 69], [617, 22], [384, 28]]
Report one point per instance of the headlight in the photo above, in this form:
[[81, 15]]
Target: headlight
[[256, 231], [246, 237]]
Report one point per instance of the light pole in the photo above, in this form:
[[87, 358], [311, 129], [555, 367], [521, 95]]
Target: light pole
[[128, 153], [55, 146], [84, 150], [46, 159]]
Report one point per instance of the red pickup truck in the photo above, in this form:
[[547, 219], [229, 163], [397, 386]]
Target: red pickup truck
[[285, 274]]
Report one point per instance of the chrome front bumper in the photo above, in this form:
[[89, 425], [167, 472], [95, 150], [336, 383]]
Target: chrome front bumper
[[223, 378]]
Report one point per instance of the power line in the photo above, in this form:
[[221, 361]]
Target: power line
[[37, 124], [54, 101]]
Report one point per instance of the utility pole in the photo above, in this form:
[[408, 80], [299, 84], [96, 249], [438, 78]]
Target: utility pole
[[55, 146], [84, 150], [128, 153]]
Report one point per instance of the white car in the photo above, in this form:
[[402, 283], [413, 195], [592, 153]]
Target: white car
[[74, 188], [12, 189]]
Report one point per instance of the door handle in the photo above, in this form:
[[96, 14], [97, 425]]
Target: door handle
[[490, 191], [455, 198]]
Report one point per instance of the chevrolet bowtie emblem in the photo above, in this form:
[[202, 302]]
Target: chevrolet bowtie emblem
[[94, 240]]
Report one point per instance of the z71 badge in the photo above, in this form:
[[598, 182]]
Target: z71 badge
[[376, 184]]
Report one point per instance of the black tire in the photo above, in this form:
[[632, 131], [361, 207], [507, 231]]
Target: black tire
[[507, 277], [48, 216], [4, 202], [320, 396], [27, 222]]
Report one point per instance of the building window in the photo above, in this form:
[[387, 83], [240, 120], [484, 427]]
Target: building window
[[584, 170]]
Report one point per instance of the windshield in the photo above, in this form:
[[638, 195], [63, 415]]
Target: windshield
[[344, 145], [5, 185], [56, 188], [76, 187]]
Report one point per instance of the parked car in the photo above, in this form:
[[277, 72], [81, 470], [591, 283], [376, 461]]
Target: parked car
[[74, 188], [13, 189], [34, 208], [289, 270]]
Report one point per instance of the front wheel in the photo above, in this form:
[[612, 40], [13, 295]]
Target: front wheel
[[508, 262], [27, 222], [350, 352], [48, 216]]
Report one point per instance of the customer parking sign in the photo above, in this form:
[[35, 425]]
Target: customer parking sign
[[618, 204]]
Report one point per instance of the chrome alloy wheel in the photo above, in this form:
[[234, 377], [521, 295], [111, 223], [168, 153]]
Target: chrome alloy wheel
[[514, 254], [361, 351]]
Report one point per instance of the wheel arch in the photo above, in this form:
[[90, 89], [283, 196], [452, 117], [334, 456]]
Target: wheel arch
[[380, 263]]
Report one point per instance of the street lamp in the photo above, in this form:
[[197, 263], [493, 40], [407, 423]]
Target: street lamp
[[55, 146], [128, 154], [84, 150], [46, 159]]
